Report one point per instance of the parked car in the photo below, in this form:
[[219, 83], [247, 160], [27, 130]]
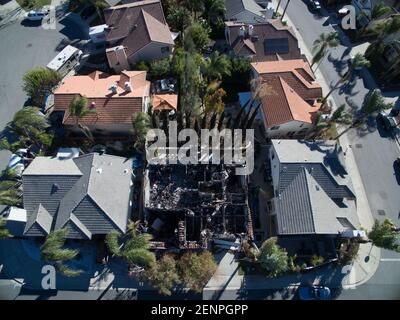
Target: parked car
[[166, 86], [388, 121], [314, 5], [35, 15], [19, 160], [314, 293]]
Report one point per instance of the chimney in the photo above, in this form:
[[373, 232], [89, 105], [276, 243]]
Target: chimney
[[121, 58], [250, 30], [128, 86]]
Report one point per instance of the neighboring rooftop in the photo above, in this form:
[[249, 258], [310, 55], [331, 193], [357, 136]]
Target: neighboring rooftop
[[88, 195], [314, 193], [292, 91], [134, 25], [268, 41], [165, 101], [115, 97], [234, 7]]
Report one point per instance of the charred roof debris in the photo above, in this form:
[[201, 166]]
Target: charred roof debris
[[191, 206]]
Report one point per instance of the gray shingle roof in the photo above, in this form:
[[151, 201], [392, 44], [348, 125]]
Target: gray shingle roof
[[96, 201], [233, 7], [309, 198]]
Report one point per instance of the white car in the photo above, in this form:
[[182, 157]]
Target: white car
[[36, 15]]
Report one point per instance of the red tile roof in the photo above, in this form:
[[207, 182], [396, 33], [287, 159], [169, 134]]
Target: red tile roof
[[290, 84], [111, 108]]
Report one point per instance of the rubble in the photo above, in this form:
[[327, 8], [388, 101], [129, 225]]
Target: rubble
[[189, 206]]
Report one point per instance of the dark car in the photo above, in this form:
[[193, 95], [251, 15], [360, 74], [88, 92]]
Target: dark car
[[314, 5], [388, 122]]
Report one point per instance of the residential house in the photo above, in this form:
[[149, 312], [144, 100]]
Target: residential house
[[136, 31], [314, 201], [115, 98], [89, 195], [270, 41], [247, 11], [288, 97]]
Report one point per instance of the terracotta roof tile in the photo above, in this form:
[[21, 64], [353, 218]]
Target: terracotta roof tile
[[110, 108], [165, 101], [287, 99]]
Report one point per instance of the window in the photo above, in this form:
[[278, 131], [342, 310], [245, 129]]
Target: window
[[164, 49], [275, 128]]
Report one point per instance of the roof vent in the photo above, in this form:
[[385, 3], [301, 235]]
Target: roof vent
[[99, 170], [128, 86], [242, 31], [126, 170], [113, 88], [251, 30], [93, 105], [55, 187]]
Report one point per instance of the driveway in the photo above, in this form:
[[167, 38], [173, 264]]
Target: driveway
[[23, 47]]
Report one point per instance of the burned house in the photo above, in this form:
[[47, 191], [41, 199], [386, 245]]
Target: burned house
[[190, 206]]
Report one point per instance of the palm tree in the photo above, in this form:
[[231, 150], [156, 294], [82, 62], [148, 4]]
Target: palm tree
[[10, 194], [99, 5], [4, 233], [141, 124], [373, 102], [277, 7], [284, 10], [339, 116], [78, 110], [216, 66], [385, 235], [322, 44], [132, 247], [358, 62], [29, 125], [52, 251], [378, 11]]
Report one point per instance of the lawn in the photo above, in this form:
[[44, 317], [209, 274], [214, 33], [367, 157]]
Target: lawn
[[33, 4]]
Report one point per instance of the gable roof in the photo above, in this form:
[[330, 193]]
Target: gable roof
[[137, 24], [291, 83], [110, 107], [40, 218], [310, 188], [165, 101], [272, 30], [105, 179]]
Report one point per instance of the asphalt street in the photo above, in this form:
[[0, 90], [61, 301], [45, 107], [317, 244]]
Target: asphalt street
[[23, 46], [375, 150]]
